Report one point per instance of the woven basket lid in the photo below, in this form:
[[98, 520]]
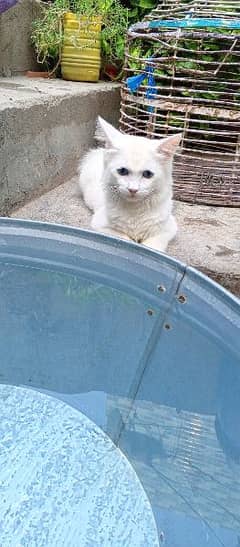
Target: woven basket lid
[[177, 9]]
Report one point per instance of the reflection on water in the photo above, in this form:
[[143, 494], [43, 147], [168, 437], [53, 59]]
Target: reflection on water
[[193, 487], [186, 473], [174, 411]]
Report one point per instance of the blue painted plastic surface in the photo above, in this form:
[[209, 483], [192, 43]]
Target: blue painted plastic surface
[[148, 349], [6, 5], [193, 22], [188, 23]]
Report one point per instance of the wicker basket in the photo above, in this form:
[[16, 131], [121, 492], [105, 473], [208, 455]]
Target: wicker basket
[[174, 9], [184, 75]]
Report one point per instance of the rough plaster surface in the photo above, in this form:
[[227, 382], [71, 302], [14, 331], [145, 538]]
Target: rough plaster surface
[[45, 127], [208, 238], [16, 52]]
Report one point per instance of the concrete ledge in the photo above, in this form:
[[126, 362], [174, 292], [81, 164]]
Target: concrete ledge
[[208, 238], [45, 126]]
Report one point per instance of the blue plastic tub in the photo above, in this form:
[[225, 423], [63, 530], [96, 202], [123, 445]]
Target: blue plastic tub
[[146, 348]]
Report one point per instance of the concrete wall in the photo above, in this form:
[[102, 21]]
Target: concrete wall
[[16, 53], [45, 127]]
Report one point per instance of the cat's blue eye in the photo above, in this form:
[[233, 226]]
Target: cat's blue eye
[[147, 174], [123, 171]]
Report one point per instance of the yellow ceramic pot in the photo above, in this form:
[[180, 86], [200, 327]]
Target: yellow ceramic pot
[[81, 52]]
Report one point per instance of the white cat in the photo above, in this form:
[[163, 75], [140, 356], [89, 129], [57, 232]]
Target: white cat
[[128, 186]]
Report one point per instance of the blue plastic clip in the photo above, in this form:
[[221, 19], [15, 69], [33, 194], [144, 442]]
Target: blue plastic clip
[[134, 82]]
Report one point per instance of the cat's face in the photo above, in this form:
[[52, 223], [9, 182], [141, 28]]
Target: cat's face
[[138, 167], [137, 171]]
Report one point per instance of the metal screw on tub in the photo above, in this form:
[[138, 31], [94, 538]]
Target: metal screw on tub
[[182, 299], [161, 288], [162, 537]]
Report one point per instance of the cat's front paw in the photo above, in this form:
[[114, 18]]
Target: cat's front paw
[[160, 241], [156, 244], [99, 220]]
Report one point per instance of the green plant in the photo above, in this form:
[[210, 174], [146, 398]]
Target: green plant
[[115, 24], [47, 32], [138, 9]]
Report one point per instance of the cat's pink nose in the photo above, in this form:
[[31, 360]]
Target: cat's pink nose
[[132, 191]]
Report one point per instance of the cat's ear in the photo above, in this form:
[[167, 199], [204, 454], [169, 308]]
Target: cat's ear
[[106, 133], [168, 145]]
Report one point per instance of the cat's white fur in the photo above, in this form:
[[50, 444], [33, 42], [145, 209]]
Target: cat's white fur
[[131, 206]]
